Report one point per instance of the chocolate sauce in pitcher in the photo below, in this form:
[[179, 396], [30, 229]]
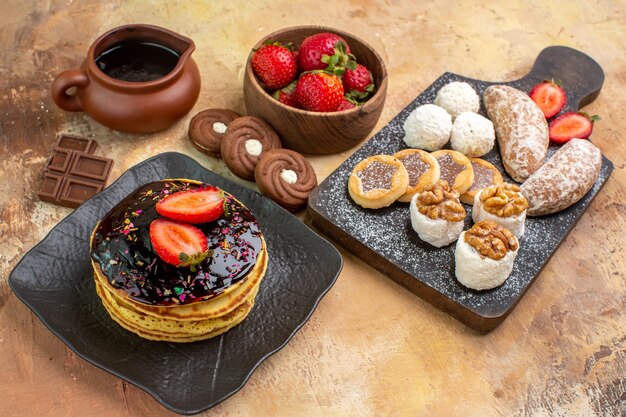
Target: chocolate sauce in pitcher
[[135, 61]]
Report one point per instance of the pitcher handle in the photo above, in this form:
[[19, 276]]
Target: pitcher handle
[[64, 81]]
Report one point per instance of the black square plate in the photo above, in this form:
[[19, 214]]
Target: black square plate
[[55, 279]]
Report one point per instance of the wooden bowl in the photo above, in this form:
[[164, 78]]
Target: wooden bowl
[[314, 132]]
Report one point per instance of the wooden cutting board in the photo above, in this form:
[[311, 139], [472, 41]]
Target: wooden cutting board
[[385, 239]]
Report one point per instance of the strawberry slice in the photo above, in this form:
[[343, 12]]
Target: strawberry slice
[[549, 96], [571, 125], [178, 244], [193, 206]]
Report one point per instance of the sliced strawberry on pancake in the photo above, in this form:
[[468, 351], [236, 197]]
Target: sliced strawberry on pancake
[[178, 244], [193, 206]]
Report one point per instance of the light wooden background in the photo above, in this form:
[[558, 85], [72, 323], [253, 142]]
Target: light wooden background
[[371, 348]]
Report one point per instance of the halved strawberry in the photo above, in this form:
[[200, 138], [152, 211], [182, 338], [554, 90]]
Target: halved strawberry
[[193, 206], [549, 96], [571, 125], [178, 244]]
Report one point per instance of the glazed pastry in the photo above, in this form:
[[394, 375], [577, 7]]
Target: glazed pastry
[[378, 181], [503, 204], [485, 174], [423, 171], [244, 141], [521, 130], [472, 134], [437, 214], [286, 177], [207, 128], [455, 168], [484, 256], [457, 97], [564, 179], [427, 127]]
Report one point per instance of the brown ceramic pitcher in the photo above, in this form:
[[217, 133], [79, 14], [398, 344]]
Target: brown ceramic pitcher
[[135, 106]]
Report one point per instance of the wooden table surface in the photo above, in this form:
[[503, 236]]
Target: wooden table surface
[[371, 348]]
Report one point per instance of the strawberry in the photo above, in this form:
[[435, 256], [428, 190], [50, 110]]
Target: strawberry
[[274, 65], [549, 96], [319, 91], [178, 244], [346, 104], [315, 46], [358, 80], [571, 125], [287, 95], [193, 206]]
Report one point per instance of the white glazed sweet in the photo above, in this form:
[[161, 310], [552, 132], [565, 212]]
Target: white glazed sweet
[[458, 97], [479, 272], [513, 223], [437, 232], [427, 127], [472, 134]]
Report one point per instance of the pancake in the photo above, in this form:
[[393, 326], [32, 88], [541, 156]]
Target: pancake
[[159, 301], [168, 330]]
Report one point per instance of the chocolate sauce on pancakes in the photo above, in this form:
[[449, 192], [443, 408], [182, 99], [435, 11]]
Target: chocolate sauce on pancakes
[[376, 175], [122, 248]]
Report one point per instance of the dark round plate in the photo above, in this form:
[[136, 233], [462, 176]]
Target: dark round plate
[[55, 280]]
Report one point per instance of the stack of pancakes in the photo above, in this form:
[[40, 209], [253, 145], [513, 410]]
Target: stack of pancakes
[[183, 322], [160, 302]]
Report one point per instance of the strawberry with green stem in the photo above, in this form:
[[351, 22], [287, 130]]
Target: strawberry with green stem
[[319, 91], [314, 47], [178, 244], [571, 125], [274, 64]]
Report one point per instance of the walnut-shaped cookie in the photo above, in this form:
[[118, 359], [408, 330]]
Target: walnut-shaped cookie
[[286, 177], [207, 129], [484, 255], [378, 181], [244, 141]]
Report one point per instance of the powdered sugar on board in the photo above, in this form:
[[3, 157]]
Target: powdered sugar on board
[[388, 231]]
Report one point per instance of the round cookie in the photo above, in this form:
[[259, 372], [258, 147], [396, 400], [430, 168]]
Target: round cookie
[[286, 177], [423, 170], [378, 181], [455, 168], [485, 175], [207, 128], [244, 141]]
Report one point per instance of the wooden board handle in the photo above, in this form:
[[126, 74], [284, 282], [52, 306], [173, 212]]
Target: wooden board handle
[[580, 75]]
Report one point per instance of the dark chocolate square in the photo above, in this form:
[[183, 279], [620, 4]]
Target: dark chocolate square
[[60, 161], [76, 143], [51, 187], [77, 191], [91, 166]]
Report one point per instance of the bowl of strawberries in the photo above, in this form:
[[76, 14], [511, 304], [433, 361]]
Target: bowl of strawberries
[[322, 89]]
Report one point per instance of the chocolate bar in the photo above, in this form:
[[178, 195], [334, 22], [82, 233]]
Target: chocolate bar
[[73, 174]]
